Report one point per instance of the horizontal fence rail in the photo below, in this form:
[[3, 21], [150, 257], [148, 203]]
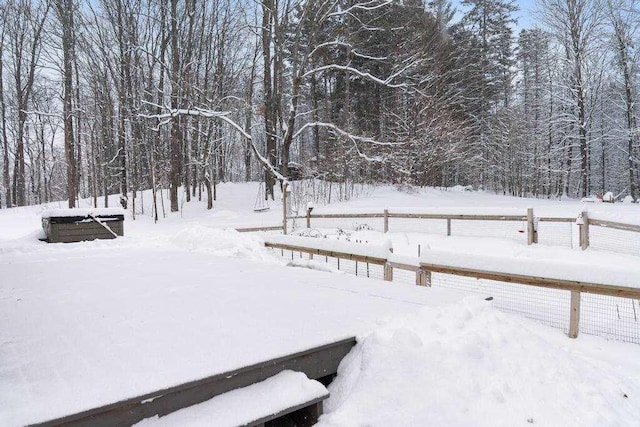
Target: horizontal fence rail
[[606, 310], [259, 228]]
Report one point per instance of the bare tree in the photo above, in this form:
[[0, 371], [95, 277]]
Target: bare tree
[[624, 23], [576, 23]]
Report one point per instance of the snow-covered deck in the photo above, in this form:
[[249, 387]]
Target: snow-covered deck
[[86, 328]]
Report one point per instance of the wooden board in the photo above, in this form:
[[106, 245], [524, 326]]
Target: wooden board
[[614, 225], [255, 229]]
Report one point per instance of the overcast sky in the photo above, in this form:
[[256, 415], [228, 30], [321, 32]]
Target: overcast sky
[[524, 15]]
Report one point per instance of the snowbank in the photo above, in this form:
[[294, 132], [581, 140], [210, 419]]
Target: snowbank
[[470, 364], [220, 242]]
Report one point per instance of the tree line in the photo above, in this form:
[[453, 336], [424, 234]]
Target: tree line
[[121, 96]]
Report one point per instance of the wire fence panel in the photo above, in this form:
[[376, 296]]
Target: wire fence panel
[[404, 276], [605, 316], [556, 233], [610, 317], [376, 224], [611, 239], [548, 306], [417, 225], [553, 233], [514, 230], [356, 268]]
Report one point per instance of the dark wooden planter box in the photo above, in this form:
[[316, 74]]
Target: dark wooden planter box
[[68, 229]]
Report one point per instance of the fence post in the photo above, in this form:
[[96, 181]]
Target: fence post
[[423, 278], [284, 207], [386, 220], [532, 233], [584, 230], [309, 217], [448, 226], [574, 316], [387, 272]]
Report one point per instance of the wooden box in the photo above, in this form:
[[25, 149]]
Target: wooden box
[[77, 225]]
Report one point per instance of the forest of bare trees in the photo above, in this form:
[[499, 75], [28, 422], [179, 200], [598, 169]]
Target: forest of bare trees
[[120, 96]]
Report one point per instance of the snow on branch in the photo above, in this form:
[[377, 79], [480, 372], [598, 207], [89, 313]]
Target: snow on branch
[[346, 45], [220, 115], [357, 72], [344, 133], [367, 6]]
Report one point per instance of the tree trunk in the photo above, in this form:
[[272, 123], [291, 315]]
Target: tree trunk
[[175, 149], [5, 141], [65, 14], [269, 96]]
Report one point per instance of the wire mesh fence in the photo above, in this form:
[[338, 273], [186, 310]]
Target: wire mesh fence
[[418, 225], [614, 240], [605, 316], [557, 234], [562, 232], [361, 269], [356, 268], [610, 317], [548, 306], [513, 230], [404, 276]]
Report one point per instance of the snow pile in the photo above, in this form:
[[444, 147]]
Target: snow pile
[[470, 364], [221, 242], [244, 405], [314, 265]]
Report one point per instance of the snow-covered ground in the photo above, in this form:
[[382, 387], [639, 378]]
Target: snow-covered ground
[[182, 299], [471, 365]]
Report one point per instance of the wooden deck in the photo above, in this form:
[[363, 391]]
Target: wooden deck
[[317, 363]]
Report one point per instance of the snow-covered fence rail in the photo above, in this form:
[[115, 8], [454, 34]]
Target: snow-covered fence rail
[[516, 224], [574, 298], [259, 228]]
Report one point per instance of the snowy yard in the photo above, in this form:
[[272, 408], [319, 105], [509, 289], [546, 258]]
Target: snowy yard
[[87, 324]]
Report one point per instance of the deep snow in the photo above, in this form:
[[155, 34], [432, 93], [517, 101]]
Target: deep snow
[[472, 365], [145, 311]]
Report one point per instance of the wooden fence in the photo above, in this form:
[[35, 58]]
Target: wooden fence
[[259, 228], [423, 277], [583, 221]]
